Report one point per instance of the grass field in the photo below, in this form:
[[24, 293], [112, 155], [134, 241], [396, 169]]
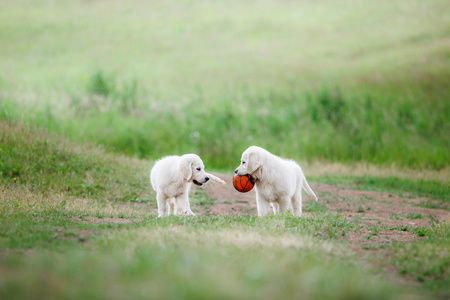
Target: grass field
[[335, 81], [92, 92], [82, 223]]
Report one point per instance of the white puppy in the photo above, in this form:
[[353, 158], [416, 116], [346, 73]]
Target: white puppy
[[172, 177], [278, 181]]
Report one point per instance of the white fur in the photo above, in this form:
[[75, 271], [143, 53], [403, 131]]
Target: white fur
[[172, 177], [278, 181]]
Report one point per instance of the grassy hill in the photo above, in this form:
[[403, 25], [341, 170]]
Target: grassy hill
[[324, 81], [76, 221]]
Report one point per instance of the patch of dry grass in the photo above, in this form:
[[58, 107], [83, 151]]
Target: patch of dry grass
[[235, 237], [320, 168], [16, 199]]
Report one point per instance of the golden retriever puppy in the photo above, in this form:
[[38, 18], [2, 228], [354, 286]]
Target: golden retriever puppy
[[172, 176], [278, 181]]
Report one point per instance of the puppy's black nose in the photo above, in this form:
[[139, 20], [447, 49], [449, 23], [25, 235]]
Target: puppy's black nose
[[206, 179], [235, 171]]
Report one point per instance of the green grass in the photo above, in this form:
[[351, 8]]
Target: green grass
[[220, 131], [313, 206], [313, 81], [334, 81], [434, 189], [178, 257], [47, 163], [201, 198], [429, 260], [227, 46], [59, 243], [414, 216], [185, 260]]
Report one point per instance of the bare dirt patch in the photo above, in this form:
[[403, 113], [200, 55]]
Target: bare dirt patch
[[377, 207], [370, 207], [228, 201]]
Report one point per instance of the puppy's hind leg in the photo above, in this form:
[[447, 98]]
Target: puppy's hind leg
[[170, 205], [275, 207], [284, 205], [297, 203], [182, 206], [163, 206]]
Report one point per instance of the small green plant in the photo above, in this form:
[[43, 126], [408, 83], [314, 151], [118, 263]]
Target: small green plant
[[100, 84], [394, 216], [434, 204], [313, 206], [420, 231], [374, 231], [360, 209], [287, 212], [414, 216], [141, 200], [433, 219]]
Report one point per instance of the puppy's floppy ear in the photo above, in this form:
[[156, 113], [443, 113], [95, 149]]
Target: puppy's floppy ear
[[254, 162], [186, 167]]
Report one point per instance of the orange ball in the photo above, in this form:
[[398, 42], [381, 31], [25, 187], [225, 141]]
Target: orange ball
[[243, 183]]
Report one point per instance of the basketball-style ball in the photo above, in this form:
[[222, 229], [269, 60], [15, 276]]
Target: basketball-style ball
[[242, 183]]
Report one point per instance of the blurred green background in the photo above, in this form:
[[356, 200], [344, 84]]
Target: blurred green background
[[346, 81]]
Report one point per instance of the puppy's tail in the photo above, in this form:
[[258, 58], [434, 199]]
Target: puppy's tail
[[308, 189], [216, 179]]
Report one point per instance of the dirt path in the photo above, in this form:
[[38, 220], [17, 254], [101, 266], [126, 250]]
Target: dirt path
[[374, 208], [369, 207]]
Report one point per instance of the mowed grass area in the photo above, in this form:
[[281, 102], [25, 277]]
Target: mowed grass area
[[82, 223], [332, 80]]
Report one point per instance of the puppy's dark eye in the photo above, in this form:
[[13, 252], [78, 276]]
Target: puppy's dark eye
[[198, 169], [243, 162]]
